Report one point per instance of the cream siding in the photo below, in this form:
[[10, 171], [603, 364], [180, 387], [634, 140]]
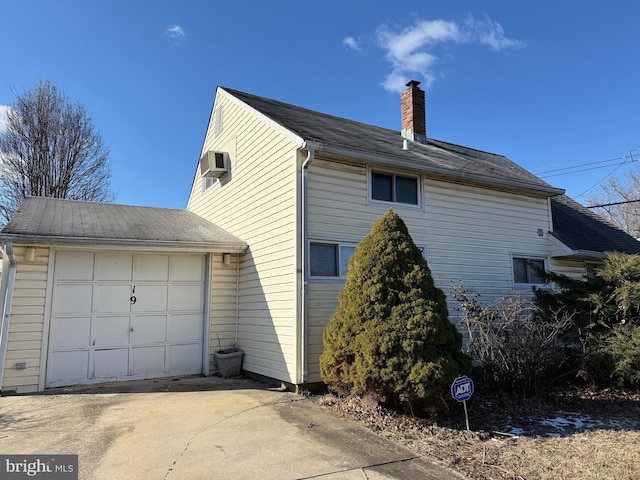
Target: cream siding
[[469, 233], [26, 325], [570, 267], [257, 202]]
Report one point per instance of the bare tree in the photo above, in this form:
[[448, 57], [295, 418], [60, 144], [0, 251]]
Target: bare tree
[[50, 148], [619, 199]]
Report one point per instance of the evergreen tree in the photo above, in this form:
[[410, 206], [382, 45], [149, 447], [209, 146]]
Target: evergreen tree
[[390, 333]]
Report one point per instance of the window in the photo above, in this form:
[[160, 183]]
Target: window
[[217, 121], [208, 183], [389, 187], [329, 259], [528, 270]]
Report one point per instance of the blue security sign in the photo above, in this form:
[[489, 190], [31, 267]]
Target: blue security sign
[[462, 388]]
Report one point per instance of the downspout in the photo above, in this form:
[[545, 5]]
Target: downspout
[[305, 276], [237, 297], [6, 314]]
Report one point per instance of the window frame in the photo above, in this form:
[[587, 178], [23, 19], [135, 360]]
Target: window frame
[[527, 258], [394, 174], [207, 183], [339, 245]]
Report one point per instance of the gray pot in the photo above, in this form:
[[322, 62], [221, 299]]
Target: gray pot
[[229, 361]]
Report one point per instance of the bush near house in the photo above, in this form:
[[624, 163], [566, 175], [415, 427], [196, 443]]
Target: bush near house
[[390, 334], [606, 310], [518, 347]]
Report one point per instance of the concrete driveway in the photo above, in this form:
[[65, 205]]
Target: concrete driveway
[[200, 428]]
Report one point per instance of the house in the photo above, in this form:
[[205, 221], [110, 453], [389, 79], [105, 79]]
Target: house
[[281, 196]]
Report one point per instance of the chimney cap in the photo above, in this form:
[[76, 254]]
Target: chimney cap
[[413, 83]]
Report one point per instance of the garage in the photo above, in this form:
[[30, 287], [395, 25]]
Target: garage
[[98, 292], [120, 316]]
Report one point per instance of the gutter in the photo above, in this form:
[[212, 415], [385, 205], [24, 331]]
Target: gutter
[[8, 300], [51, 240], [305, 273]]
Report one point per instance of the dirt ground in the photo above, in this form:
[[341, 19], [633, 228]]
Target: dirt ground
[[578, 433]]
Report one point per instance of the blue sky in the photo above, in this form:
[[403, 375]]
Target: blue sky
[[550, 84]]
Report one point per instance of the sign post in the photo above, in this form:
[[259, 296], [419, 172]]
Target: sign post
[[461, 391]]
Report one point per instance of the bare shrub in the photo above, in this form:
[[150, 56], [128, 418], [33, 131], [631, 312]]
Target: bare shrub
[[518, 347]]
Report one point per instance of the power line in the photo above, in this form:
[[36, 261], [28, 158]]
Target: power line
[[583, 167], [614, 203], [544, 172]]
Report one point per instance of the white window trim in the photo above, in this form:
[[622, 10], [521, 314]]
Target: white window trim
[[419, 181], [528, 257], [211, 182], [342, 243], [339, 244]]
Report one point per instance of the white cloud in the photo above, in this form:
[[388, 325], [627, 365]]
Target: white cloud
[[352, 43], [175, 31], [4, 112], [491, 33], [411, 51]]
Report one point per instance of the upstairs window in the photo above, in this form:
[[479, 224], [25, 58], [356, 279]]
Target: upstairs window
[[390, 187], [528, 270]]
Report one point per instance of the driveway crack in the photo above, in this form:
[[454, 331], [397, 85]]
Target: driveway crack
[[208, 427]]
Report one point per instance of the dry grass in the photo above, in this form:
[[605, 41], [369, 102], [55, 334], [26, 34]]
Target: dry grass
[[600, 438]]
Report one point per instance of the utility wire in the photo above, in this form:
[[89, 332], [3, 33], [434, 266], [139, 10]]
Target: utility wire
[[544, 172], [614, 203]]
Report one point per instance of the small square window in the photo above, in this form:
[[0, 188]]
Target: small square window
[[528, 270], [208, 183]]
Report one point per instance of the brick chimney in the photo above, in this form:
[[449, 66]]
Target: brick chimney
[[414, 120]]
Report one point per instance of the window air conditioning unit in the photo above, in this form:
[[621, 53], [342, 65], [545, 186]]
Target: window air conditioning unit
[[214, 164]]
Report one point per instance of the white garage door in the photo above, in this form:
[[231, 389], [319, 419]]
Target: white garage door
[[122, 316]]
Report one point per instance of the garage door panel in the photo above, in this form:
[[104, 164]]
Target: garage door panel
[[111, 363], [68, 367], [114, 266], [71, 331], [185, 297], [74, 266], [149, 360], [112, 331], [152, 268], [151, 298], [150, 329], [185, 358], [113, 298], [185, 328], [187, 268], [72, 299]]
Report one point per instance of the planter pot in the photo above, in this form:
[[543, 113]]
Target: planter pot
[[229, 361]]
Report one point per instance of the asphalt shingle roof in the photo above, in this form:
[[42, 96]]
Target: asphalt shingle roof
[[42, 220], [576, 226], [442, 158], [581, 229]]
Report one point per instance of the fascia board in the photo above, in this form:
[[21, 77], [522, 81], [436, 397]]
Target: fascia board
[[215, 247]]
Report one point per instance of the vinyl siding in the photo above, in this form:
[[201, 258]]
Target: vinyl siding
[[469, 234], [222, 307], [257, 203], [26, 325]]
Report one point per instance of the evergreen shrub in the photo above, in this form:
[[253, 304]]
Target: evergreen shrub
[[390, 334]]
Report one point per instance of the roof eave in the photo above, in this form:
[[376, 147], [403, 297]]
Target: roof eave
[[575, 253], [49, 240], [439, 173]]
